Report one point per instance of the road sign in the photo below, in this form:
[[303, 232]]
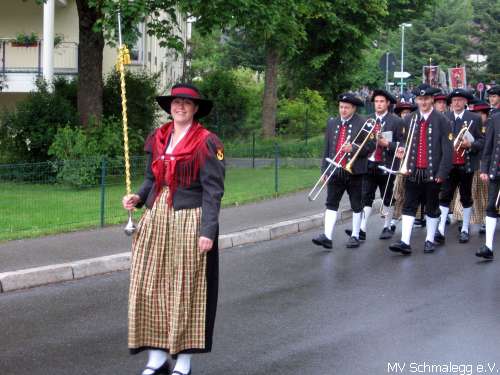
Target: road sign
[[401, 74]]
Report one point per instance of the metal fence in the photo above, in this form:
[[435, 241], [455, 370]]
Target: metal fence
[[55, 196]]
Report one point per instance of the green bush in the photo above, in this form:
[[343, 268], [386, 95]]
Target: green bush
[[82, 150], [141, 88], [231, 103], [27, 132], [302, 117]]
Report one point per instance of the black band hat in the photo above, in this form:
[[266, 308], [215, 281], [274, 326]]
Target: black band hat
[[477, 105], [401, 106], [495, 90], [440, 96], [385, 94], [186, 91], [459, 93], [425, 90], [351, 99]]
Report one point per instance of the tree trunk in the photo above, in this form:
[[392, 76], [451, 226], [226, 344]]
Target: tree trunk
[[90, 54], [270, 102]]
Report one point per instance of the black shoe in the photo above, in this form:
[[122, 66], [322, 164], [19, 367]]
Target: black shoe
[[439, 238], [482, 229], [463, 237], [163, 370], [448, 221], [429, 247], [400, 247], [362, 234], [393, 228], [352, 243], [386, 234], [322, 240], [484, 252]]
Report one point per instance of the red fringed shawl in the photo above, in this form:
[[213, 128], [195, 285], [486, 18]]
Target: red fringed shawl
[[182, 166]]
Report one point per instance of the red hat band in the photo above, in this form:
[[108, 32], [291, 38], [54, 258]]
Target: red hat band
[[185, 91]]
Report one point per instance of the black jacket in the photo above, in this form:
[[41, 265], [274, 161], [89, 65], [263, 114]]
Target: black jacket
[[491, 153], [439, 145], [472, 155], [354, 125], [205, 192], [395, 124]]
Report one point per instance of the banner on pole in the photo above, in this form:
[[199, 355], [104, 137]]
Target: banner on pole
[[430, 75], [457, 78]]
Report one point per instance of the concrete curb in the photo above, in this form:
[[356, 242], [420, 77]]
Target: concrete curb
[[31, 277]]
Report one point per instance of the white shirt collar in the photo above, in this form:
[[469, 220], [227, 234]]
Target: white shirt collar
[[460, 115], [345, 120], [380, 117], [425, 116], [171, 145]]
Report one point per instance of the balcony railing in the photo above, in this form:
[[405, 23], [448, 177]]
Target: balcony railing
[[29, 59]]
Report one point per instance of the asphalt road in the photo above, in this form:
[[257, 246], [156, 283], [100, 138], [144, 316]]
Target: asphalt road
[[286, 307]]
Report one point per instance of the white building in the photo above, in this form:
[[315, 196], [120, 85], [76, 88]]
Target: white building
[[21, 65]]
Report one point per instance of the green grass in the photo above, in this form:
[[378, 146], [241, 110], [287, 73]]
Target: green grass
[[30, 210]]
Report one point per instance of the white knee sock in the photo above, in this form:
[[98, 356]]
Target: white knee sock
[[183, 363], [466, 220], [330, 219], [388, 217], [356, 223], [432, 224], [442, 218], [491, 224], [406, 227], [156, 358], [367, 210]]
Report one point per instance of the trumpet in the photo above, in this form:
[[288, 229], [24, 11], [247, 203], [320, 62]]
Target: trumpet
[[370, 123], [329, 171], [382, 212], [497, 203], [459, 139]]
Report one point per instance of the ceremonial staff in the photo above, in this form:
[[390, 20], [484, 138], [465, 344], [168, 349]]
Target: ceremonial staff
[[124, 58]]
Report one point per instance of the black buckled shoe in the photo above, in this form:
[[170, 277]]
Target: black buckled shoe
[[429, 247], [322, 240], [386, 234], [362, 234], [463, 237], [352, 243], [163, 370], [485, 252], [439, 238], [400, 247]]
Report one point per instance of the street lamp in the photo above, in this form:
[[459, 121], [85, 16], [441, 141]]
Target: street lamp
[[403, 25]]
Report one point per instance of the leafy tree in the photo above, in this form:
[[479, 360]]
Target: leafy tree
[[486, 33]]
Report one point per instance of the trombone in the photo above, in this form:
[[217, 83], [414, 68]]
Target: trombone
[[333, 165], [390, 173], [409, 141], [459, 139], [316, 190]]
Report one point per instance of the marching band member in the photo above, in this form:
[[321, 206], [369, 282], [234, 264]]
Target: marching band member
[[494, 99], [490, 170], [441, 102], [391, 125], [428, 163], [465, 162], [403, 109], [338, 130]]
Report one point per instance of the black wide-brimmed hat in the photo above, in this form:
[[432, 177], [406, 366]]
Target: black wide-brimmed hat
[[440, 95], [477, 105], [186, 91], [401, 106], [351, 99], [459, 93], [495, 90], [384, 93], [425, 90]]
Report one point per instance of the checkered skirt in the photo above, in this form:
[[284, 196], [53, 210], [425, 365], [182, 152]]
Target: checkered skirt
[[479, 201], [168, 282]]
